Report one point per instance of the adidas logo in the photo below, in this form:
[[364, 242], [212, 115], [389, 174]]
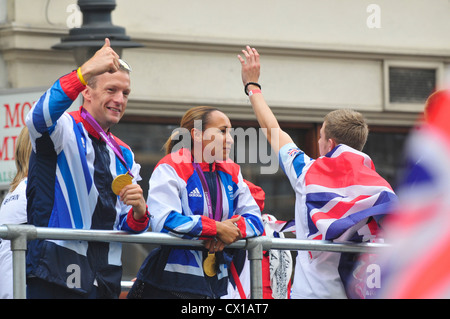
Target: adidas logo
[[195, 193]]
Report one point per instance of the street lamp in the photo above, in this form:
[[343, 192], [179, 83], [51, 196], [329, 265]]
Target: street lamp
[[97, 26]]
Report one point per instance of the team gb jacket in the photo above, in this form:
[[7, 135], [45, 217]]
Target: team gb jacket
[[177, 204], [69, 186]]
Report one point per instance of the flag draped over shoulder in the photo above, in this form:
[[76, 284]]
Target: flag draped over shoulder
[[345, 195], [419, 262]]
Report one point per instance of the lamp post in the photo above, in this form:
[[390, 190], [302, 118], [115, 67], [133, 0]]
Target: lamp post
[[97, 25]]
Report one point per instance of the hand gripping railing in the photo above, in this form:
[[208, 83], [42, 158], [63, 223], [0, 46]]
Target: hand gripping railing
[[20, 234]]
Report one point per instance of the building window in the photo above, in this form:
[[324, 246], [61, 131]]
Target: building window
[[411, 85], [385, 146], [408, 84]]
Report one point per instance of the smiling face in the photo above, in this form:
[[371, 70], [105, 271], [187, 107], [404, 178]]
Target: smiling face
[[216, 140], [106, 98]]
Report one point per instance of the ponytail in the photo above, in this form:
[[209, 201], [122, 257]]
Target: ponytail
[[172, 141], [183, 133], [22, 157]]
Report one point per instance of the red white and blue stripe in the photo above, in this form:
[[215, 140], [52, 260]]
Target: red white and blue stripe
[[178, 206], [418, 265], [340, 204], [339, 197], [69, 186]]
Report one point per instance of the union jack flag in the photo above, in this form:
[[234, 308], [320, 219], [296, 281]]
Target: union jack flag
[[418, 265], [293, 151], [344, 196], [279, 226]]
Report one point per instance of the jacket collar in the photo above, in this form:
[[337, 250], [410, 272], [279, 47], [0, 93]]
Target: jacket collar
[[78, 118]]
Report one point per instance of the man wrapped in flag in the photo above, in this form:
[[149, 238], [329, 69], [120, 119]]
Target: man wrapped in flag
[[339, 196]]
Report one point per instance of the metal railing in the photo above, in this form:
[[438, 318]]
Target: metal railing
[[19, 235]]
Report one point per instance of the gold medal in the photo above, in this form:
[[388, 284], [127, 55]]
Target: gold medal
[[120, 182], [209, 265]]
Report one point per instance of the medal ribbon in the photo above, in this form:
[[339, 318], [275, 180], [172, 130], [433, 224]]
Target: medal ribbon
[[108, 139], [217, 214]]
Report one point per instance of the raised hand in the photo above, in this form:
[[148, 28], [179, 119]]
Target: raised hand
[[104, 60], [250, 73], [250, 65]]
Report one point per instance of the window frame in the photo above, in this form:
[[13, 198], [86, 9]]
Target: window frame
[[408, 107]]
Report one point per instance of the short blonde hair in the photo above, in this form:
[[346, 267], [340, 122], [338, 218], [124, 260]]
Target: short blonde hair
[[346, 126]]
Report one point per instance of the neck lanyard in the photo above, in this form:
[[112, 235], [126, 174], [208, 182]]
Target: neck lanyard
[[217, 214], [108, 139]]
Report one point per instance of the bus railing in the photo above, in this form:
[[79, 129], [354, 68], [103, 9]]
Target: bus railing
[[19, 235]]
